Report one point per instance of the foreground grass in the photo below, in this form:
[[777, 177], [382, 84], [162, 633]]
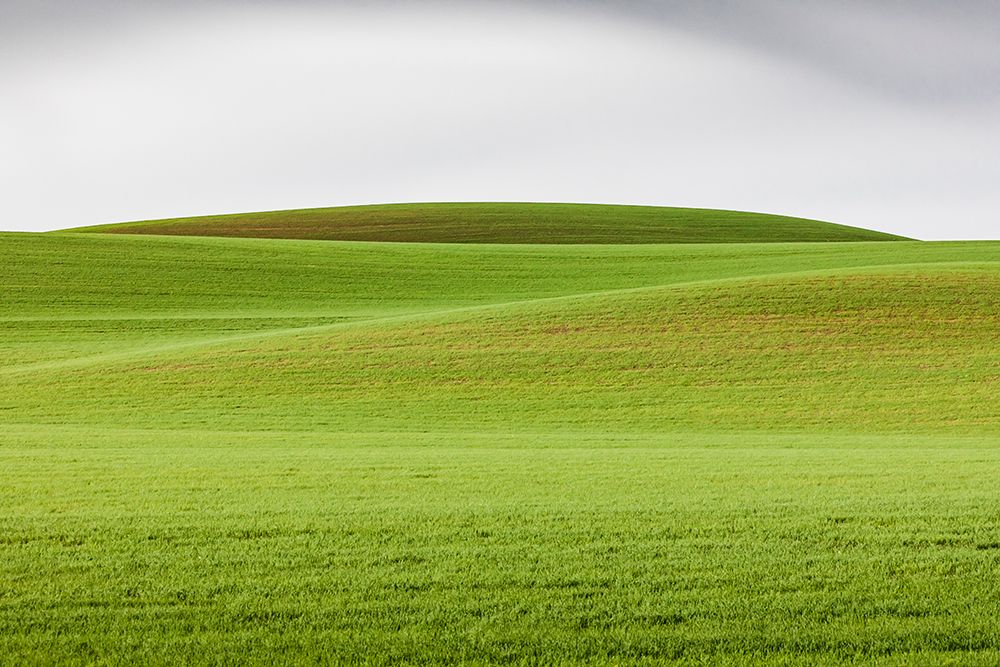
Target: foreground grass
[[507, 223], [167, 547], [237, 450]]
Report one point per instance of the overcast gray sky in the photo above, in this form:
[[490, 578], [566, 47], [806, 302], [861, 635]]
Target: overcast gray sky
[[877, 113]]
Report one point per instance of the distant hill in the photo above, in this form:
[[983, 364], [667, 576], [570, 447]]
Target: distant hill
[[505, 223]]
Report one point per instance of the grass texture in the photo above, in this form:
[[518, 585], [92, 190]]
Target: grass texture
[[506, 223], [256, 450]]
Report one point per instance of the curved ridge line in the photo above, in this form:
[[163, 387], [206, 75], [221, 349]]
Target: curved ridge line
[[82, 362]]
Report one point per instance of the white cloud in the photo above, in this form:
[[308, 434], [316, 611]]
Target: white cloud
[[232, 108]]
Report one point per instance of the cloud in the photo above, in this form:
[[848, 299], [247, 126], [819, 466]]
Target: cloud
[[143, 109], [922, 50], [917, 51]]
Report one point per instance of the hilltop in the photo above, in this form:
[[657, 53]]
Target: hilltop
[[505, 223]]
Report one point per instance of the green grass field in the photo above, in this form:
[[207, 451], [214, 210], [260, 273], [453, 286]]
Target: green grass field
[[506, 223], [221, 450]]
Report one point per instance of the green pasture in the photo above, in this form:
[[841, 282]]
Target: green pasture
[[151, 546], [476, 222], [218, 450]]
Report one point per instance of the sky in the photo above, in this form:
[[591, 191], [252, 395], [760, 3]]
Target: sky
[[875, 113]]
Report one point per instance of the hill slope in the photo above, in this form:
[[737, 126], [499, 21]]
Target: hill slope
[[506, 223], [871, 351], [246, 450], [74, 295]]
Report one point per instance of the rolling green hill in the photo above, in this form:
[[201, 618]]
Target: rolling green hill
[[506, 223], [606, 342], [260, 450]]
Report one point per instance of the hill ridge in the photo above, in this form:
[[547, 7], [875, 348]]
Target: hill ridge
[[460, 311], [505, 222]]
